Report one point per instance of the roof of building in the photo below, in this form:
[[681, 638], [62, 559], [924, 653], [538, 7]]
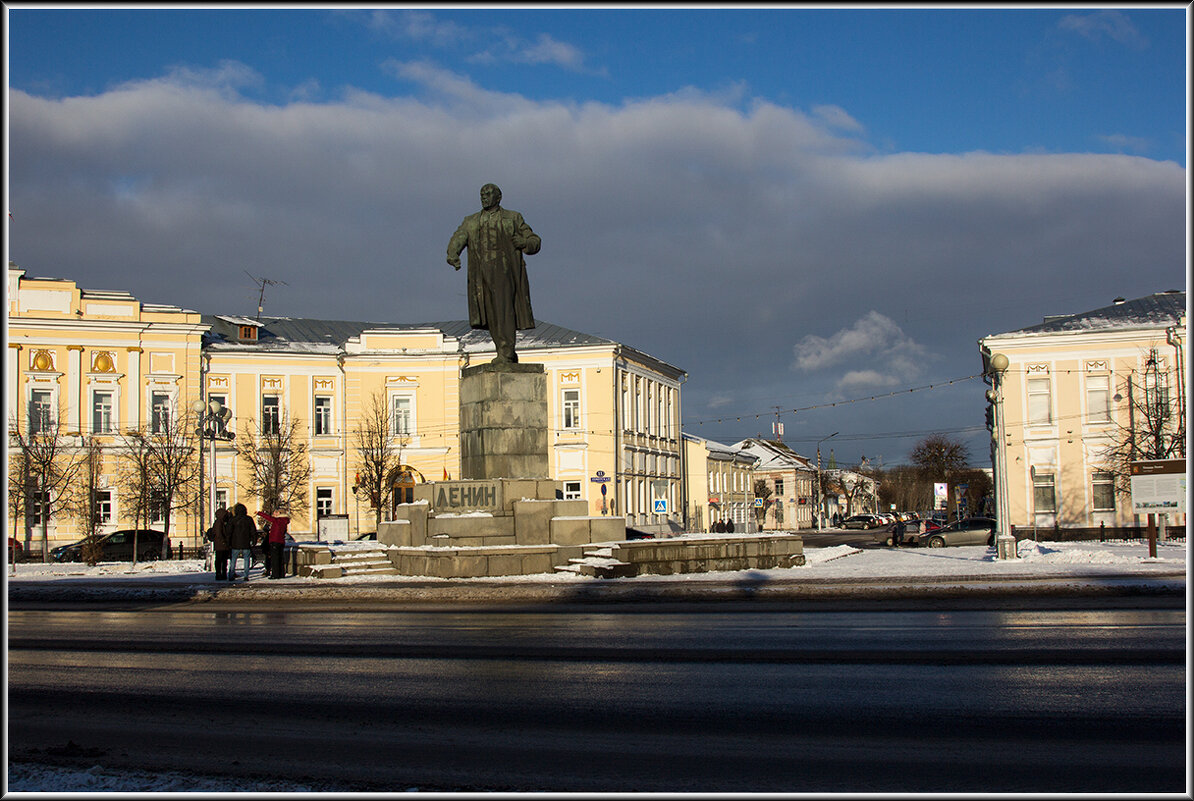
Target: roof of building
[[774, 455], [305, 333], [1151, 311]]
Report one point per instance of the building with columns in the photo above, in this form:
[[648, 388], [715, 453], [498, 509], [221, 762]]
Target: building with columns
[[115, 364]]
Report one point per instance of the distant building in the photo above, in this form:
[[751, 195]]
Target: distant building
[[791, 479], [1073, 390], [719, 485]]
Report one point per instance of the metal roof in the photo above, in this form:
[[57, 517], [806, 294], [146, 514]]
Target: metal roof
[[294, 332], [1152, 311]]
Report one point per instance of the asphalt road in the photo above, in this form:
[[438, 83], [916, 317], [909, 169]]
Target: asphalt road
[[1085, 696]]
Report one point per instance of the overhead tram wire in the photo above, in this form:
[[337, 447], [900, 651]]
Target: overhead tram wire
[[937, 385]]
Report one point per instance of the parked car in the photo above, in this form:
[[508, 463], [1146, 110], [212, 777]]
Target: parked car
[[913, 526], [968, 531], [861, 521], [16, 550], [117, 547]]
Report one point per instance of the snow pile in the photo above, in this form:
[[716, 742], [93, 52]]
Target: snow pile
[[26, 777], [1086, 553]]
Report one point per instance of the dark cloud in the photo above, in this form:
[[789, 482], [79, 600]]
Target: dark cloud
[[714, 233]]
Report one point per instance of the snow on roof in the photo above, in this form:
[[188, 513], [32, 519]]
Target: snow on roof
[[1159, 310]]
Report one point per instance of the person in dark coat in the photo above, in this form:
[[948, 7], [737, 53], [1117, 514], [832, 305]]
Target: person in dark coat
[[897, 533], [729, 527], [217, 535], [499, 295], [277, 542], [241, 537]]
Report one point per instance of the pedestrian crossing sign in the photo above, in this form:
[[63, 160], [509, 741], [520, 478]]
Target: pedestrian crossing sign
[[660, 506]]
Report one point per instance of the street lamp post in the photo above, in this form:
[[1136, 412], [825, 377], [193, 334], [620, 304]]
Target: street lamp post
[[820, 492], [213, 423], [1005, 542]]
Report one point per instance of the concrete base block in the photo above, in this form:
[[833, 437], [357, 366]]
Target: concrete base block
[[394, 532]]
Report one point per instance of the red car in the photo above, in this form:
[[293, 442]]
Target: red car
[[16, 549]]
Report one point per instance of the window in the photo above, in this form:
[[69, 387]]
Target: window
[[221, 424], [403, 423], [779, 486], [103, 506], [159, 404], [323, 415], [38, 503], [157, 505], [323, 501], [271, 418], [1039, 403], [1044, 495], [1103, 494], [39, 411], [101, 412], [1098, 399], [572, 490], [1156, 394], [571, 408], [248, 332], [221, 499]]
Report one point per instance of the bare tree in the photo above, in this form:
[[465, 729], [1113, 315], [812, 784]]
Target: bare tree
[[940, 459], [84, 498], [374, 442], [279, 467], [138, 478], [44, 466], [175, 467], [1156, 428]]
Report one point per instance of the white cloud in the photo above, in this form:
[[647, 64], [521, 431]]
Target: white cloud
[[650, 211], [1112, 24], [1135, 144], [837, 117]]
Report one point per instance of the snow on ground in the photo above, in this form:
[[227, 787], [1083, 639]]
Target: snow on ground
[[840, 562]]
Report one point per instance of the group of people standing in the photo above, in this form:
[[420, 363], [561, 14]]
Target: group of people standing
[[723, 527], [233, 535]]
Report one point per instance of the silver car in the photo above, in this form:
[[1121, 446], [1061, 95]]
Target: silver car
[[970, 531]]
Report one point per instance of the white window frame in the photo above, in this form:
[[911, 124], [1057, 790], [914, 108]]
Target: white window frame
[[271, 423], [103, 506], [1098, 398], [1101, 480], [572, 491], [324, 497], [160, 423], [321, 415], [1034, 392], [221, 425], [396, 429], [1042, 482], [103, 420], [570, 409], [40, 415]]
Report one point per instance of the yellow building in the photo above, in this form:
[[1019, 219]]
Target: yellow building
[[1074, 389], [718, 485], [92, 365], [614, 411], [112, 364]]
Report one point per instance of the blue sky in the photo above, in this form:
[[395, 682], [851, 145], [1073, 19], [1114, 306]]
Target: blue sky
[[796, 206]]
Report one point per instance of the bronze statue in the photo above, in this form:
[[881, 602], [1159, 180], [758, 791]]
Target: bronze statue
[[499, 297]]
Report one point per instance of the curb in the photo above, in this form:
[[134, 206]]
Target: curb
[[640, 590]]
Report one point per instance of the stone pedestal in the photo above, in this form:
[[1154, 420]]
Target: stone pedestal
[[503, 421]]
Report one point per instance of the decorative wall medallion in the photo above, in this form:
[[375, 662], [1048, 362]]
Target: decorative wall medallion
[[41, 360], [102, 361]]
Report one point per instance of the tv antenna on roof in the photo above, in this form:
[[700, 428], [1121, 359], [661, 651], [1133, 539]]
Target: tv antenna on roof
[[262, 282]]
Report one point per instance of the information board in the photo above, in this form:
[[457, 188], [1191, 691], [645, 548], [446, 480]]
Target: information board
[[1159, 486]]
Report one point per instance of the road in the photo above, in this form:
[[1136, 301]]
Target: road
[[1084, 696]]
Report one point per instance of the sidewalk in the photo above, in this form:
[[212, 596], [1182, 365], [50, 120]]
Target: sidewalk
[[1044, 568]]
